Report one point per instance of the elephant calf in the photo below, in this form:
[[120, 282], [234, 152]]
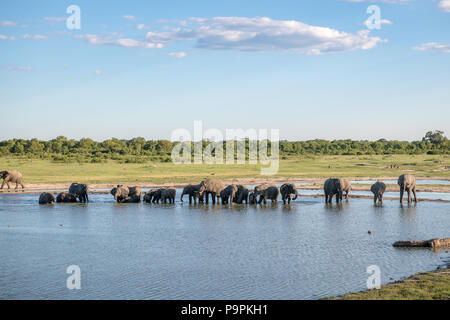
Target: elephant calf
[[11, 176], [288, 190], [66, 197], [241, 194], [407, 182], [345, 187], [81, 190], [46, 198], [378, 189]]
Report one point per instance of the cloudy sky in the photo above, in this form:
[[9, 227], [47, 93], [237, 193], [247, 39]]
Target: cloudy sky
[[313, 69]]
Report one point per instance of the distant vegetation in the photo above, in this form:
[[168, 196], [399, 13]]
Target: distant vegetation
[[139, 150]]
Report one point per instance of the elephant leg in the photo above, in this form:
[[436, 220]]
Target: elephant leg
[[415, 197], [7, 183], [401, 195], [3, 184], [346, 195], [213, 197], [375, 199], [190, 199], [409, 196]]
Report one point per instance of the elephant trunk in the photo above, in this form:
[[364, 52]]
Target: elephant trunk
[[296, 194], [181, 199]]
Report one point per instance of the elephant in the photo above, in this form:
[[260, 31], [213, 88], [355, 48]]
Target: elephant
[[213, 188], [120, 192], [198, 197], [252, 198], [378, 189], [46, 198], [407, 182], [168, 194], [228, 193], [190, 190], [11, 176], [153, 196], [241, 194], [150, 196], [81, 190], [287, 190], [267, 191], [134, 198], [332, 187], [346, 186], [66, 197]]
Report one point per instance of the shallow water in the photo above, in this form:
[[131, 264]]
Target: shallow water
[[420, 195], [139, 251], [418, 182]]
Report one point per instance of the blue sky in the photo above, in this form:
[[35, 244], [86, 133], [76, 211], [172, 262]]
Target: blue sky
[[145, 68]]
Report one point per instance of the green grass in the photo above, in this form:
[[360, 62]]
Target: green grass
[[46, 171], [422, 286]]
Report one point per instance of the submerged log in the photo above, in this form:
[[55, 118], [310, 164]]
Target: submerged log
[[432, 243]]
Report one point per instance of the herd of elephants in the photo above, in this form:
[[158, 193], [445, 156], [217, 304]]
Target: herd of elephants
[[217, 189]]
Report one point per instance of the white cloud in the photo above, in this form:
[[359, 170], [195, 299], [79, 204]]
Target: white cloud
[[3, 37], [382, 21], [113, 40], [129, 17], [178, 54], [140, 26], [55, 19], [19, 68], [98, 72], [434, 46], [265, 34], [34, 37], [7, 24], [444, 5], [384, 1]]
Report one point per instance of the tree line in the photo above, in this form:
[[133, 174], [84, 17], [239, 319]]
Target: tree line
[[142, 150]]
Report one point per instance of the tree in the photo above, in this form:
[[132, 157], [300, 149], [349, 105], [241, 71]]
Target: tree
[[435, 137]]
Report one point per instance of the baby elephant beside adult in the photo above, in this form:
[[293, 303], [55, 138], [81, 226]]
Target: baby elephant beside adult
[[11, 176]]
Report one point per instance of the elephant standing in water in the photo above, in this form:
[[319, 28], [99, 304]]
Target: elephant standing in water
[[288, 190], [241, 194], [11, 176], [378, 189], [345, 187], [66, 197], [153, 196], [191, 191], [213, 188], [228, 193], [332, 187], [267, 192], [168, 194], [407, 182], [252, 198], [81, 190], [46, 198], [124, 194]]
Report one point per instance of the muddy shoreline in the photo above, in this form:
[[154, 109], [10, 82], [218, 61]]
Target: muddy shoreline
[[301, 184]]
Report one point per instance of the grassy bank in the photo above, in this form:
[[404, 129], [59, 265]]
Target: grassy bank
[[47, 171], [422, 286]]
